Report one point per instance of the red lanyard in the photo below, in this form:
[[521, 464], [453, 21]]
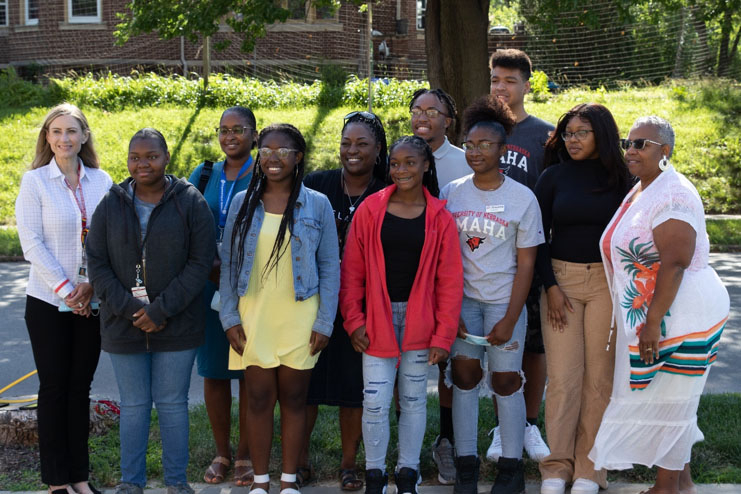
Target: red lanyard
[[81, 205]]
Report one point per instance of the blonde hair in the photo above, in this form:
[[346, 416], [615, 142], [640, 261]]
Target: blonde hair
[[44, 153]]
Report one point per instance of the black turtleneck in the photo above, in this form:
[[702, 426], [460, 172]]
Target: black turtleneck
[[577, 204]]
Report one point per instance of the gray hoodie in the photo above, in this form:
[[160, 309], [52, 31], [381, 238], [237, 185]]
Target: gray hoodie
[[179, 247]]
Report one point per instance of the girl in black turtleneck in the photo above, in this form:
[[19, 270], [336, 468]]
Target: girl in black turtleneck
[[583, 184]]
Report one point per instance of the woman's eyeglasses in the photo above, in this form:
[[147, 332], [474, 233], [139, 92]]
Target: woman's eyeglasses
[[579, 134], [637, 144], [430, 112], [482, 146], [282, 153], [236, 130]]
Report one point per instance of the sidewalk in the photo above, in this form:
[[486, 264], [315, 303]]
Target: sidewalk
[[532, 488]]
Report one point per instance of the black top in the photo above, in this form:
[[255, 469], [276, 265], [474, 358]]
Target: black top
[[329, 183], [402, 241], [577, 204]]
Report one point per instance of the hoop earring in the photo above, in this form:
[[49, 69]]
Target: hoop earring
[[664, 163]]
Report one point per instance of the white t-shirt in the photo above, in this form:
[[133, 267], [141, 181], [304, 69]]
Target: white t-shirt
[[492, 225], [450, 163]]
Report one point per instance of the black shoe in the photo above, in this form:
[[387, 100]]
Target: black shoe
[[511, 477], [406, 481], [376, 481], [466, 475]]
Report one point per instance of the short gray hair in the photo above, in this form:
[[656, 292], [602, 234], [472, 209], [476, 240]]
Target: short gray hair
[[662, 126]]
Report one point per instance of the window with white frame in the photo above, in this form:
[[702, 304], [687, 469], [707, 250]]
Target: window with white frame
[[3, 13], [31, 12], [83, 11], [421, 8]]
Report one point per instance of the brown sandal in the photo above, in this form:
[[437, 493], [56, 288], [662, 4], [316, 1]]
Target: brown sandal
[[244, 473], [216, 471]]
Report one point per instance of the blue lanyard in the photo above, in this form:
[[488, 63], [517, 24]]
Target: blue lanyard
[[224, 202]]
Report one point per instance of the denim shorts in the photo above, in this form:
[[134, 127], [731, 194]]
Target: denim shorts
[[480, 318]]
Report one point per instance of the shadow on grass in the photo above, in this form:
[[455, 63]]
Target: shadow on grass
[[330, 98], [174, 155]]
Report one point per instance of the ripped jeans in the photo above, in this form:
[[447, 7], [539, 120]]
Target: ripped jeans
[[480, 318], [378, 389]]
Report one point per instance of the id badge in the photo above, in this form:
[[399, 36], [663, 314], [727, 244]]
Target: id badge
[[82, 274], [140, 293]]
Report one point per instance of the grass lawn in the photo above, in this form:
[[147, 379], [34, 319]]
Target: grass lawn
[[715, 460], [704, 115]]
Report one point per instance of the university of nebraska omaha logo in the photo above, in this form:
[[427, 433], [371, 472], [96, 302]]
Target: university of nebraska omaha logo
[[474, 242]]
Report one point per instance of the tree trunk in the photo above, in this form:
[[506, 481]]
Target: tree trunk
[[726, 26], [702, 37], [457, 51], [677, 72]]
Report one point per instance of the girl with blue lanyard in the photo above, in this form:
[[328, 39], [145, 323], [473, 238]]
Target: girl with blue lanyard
[[237, 137]]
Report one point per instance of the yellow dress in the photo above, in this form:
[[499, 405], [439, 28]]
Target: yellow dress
[[277, 327]]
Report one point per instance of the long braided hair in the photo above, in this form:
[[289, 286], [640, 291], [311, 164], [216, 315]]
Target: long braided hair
[[254, 193], [374, 124], [429, 179]]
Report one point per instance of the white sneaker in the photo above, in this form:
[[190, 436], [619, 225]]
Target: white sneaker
[[584, 486], [536, 448], [553, 486], [495, 448]]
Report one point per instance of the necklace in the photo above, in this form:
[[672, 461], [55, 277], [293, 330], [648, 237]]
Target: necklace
[[347, 192], [501, 181]]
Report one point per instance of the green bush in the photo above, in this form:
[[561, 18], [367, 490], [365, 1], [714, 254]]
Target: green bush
[[114, 92], [539, 86]]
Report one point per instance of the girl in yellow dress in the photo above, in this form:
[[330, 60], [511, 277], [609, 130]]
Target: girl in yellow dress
[[279, 286]]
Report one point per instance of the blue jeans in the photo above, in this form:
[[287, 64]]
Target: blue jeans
[[162, 378], [379, 375], [480, 318]]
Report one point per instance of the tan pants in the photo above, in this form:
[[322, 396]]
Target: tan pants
[[579, 372]]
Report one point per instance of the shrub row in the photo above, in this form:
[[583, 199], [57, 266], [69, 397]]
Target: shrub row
[[115, 92]]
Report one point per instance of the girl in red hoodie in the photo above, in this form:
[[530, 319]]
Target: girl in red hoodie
[[401, 259]]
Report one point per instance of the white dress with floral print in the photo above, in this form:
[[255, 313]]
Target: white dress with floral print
[[652, 415]]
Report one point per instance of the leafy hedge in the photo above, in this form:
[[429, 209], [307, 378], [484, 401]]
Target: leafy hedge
[[115, 92]]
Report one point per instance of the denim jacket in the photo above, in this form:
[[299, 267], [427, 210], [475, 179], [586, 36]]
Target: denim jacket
[[314, 255]]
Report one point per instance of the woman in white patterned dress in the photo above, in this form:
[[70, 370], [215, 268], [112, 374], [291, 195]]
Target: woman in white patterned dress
[[670, 307]]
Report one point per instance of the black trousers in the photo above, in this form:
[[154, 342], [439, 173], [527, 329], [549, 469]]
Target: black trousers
[[66, 348]]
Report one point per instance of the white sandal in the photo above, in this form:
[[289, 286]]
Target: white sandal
[[260, 479], [289, 477]]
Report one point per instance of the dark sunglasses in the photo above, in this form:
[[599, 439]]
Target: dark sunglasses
[[364, 114], [638, 144]]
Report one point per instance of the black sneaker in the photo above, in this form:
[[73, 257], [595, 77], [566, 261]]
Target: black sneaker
[[511, 477], [376, 481], [406, 481], [466, 475]]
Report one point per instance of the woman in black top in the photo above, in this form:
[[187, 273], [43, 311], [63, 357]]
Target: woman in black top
[[337, 378], [582, 185]]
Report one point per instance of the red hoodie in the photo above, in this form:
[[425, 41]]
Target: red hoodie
[[434, 304]]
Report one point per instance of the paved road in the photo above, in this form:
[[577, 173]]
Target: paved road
[[16, 358]]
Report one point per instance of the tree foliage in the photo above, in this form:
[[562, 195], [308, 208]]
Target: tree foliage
[[200, 18]]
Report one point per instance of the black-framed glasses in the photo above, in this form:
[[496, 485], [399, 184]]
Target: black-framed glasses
[[236, 130], [282, 153], [364, 114], [482, 146], [430, 112], [637, 144], [579, 134]]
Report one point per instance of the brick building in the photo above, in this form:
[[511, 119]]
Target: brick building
[[58, 35], [53, 36]]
